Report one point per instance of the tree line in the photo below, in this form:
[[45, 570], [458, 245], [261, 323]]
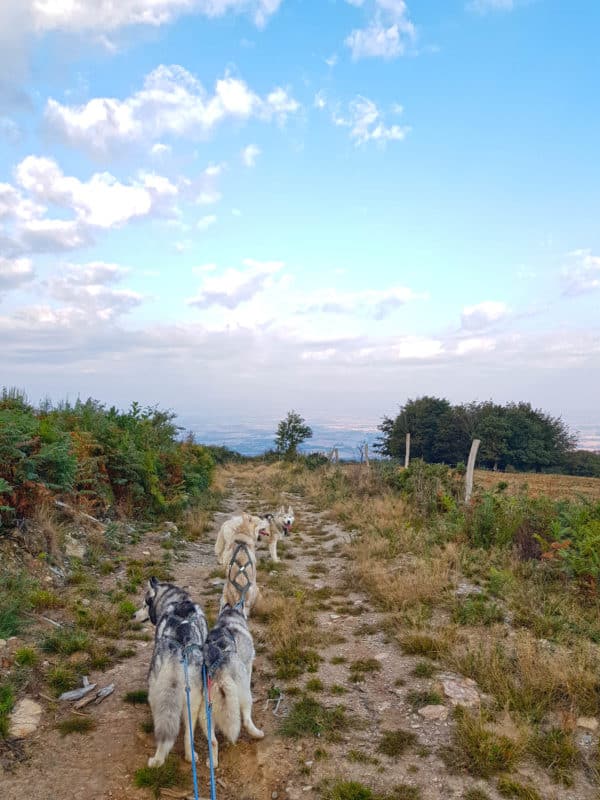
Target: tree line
[[513, 436]]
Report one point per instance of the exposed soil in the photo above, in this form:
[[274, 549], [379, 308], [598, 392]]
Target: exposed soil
[[101, 764]]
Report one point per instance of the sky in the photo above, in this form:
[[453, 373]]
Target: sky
[[232, 208]]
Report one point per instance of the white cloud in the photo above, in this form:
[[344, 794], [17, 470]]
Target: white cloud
[[250, 154], [102, 201], [582, 274], [367, 124], [373, 302], [86, 289], [236, 286], [475, 345], [418, 348], [320, 100], [482, 315], [106, 16], [172, 102], [204, 223], [332, 60], [10, 131], [388, 34], [159, 149], [15, 272]]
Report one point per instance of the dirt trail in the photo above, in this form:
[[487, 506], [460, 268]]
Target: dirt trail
[[101, 764]]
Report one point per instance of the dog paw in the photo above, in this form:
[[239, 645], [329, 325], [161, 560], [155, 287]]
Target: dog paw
[[189, 758], [258, 734], [155, 762]]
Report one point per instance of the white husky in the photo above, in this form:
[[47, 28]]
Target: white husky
[[280, 524], [258, 526]]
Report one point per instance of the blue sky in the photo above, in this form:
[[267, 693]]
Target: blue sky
[[233, 207]]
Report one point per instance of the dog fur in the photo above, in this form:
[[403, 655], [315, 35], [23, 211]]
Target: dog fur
[[227, 533], [280, 524], [229, 654], [180, 624], [241, 568]]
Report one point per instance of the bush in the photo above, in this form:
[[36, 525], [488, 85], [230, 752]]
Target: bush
[[99, 457], [429, 488]]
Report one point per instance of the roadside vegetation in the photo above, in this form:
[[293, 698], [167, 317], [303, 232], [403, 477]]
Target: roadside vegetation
[[503, 590]]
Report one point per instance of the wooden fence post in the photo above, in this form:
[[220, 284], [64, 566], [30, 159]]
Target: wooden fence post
[[407, 451], [470, 469]]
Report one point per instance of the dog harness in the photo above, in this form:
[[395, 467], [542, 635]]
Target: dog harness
[[240, 550]]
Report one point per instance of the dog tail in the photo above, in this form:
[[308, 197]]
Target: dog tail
[[226, 705]]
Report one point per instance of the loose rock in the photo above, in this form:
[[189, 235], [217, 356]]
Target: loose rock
[[436, 712], [25, 718], [460, 691]]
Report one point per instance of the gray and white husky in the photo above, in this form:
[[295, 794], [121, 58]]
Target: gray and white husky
[[180, 625], [228, 654]]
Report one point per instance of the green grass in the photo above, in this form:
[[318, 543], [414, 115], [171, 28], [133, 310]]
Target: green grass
[[347, 790], [66, 641], [338, 660], [309, 718], [157, 778], [26, 657], [290, 662], [7, 701], [422, 699], [41, 599], [360, 757], [396, 743], [424, 669], [557, 752], [419, 644], [76, 724], [14, 600], [62, 677], [477, 611], [362, 667], [510, 788], [137, 697], [314, 685], [147, 726], [337, 689], [475, 794], [477, 750]]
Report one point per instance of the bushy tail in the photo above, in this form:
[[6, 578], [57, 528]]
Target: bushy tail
[[226, 705]]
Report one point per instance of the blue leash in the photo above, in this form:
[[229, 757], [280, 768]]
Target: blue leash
[[208, 709], [189, 711]]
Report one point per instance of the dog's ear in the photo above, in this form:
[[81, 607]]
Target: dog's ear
[[153, 583], [290, 511]]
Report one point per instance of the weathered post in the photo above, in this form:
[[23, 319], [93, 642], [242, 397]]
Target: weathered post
[[407, 451], [367, 453], [471, 469]]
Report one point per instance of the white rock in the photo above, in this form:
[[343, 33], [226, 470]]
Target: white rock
[[2, 644], [73, 548], [587, 723], [460, 691], [434, 712], [24, 719]]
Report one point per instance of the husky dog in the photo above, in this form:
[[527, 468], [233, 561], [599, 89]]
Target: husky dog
[[280, 524], [180, 625], [228, 655], [240, 585], [227, 533]]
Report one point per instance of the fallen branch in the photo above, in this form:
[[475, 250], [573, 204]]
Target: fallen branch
[[73, 512], [46, 619]]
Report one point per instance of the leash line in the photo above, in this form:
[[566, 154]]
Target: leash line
[[189, 711], [208, 710]]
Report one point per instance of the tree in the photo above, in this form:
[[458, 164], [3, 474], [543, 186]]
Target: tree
[[438, 433], [291, 432]]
